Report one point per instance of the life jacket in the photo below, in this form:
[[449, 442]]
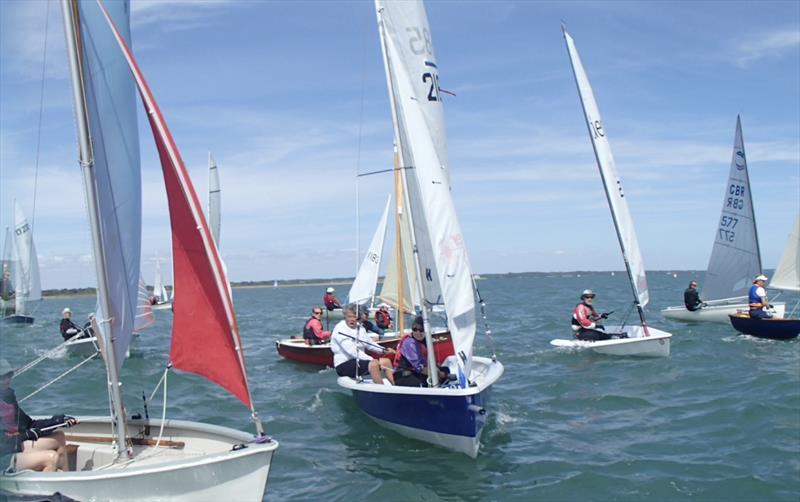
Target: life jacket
[[308, 333], [382, 319], [400, 362], [576, 324], [753, 298]]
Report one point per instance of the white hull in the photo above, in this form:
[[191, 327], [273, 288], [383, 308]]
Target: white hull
[[205, 468], [82, 347], [717, 311], [655, 345]]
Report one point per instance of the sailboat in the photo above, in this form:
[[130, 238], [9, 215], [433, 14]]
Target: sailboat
[[449, 414], [27, 287], [642, 339], [785, 278], [7, 292], [735, 258], [161, 299], [117, 458]]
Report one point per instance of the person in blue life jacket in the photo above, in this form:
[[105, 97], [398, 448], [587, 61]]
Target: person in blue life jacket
[[757, 298], [363, 317], [26, 443]]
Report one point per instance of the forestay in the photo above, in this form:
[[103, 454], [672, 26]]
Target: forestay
[[27, 284], [611, 182], [414, 89], [214, 199], [787, 275], [735, 258], [205, 335], [111, 108], [363, 288]]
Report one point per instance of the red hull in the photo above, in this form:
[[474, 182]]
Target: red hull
[[295, 350]]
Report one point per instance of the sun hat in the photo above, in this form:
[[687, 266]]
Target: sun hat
[[587, 293], [761, 277], [66, 309], [330, 290]]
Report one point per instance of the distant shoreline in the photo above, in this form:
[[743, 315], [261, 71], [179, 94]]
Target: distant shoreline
[[346, 281]]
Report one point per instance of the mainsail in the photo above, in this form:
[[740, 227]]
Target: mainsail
[[111, 110], [158, 284], [413, 81], [214, 199], [205, 335], [787, 275], [363, 288], [735, 259], [27, 284], [611, 182]]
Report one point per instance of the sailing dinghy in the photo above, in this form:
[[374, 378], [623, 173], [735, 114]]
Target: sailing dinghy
[[643, 340], [117, 458], [160, 299], [26, 284], [448, 414], [786, 278], [735, 257]]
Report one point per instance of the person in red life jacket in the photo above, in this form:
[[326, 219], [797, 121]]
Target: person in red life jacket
[[411, 359], [382, 317], [33, 444], [585, 320], [312, 331], [330, 300]]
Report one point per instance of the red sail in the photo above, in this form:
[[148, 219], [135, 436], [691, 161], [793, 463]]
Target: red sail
[[205, 337]]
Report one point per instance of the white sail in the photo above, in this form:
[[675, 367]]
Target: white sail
[[442, 259], [411, 299], [735, 258], [787, 275], [214, 199], [363, 288], [28, 286], [158, 284], [611, 182]]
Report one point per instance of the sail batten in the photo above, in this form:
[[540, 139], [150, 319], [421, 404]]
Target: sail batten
[[205, 335], [735, 258], [787, 275], [618, 204]]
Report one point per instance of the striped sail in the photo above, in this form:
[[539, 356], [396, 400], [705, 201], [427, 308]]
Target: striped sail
[[623, 222], [111, 103], [787, 275], [413, 80], [735, 258], [363, 288], [27, 283]]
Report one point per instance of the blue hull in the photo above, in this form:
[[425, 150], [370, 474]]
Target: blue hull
[[776, 329], [452, 415], [18, 319]]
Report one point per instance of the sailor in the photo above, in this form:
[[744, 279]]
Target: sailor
[[330, 300], [68, 328], [411, 359], [312, 331], [691, 298], [363, 317], [349, 343], [585, 319], [26, 443], [382, 317], [757, 297]]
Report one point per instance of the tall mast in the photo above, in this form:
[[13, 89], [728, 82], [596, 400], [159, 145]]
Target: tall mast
[[69, 10], [433, 374], [749, 191]]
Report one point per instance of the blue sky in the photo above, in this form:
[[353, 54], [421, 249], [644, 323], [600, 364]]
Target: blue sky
[[283, 94]]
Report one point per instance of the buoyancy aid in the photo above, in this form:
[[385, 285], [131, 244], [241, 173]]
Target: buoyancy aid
[[753, 298], [308, 332], [400, 362], [591, 315], [383, 319]]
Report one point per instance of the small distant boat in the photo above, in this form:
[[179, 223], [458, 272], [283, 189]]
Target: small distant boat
[[27, 287], [642, 340], [161, 299], [735, 257], [275, 284], [785, 278]]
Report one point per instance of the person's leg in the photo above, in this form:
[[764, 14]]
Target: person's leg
[[592, 335], [35, 460], [375, 371], [759, 314], [388, 368]]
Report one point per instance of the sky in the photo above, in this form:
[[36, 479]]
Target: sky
[[290, 98]]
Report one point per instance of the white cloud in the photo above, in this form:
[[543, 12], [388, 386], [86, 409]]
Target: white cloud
[[766, 45]]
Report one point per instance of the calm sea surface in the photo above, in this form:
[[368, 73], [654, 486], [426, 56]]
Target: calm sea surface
[[718, 420]]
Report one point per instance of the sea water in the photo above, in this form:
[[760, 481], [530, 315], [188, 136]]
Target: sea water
[[717, 420]]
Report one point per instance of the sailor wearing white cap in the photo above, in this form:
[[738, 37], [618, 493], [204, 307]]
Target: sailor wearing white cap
[[758, 298]]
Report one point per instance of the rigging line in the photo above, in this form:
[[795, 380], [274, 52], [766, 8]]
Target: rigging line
[[41, 112], [381, 171], [358, 149], [56, 379]]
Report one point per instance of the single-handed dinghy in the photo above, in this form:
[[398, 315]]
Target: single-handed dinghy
[[26, 284], [449, 414], [786, 278], [642, 339], [120, 458], [160, 299], [735, 257]]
